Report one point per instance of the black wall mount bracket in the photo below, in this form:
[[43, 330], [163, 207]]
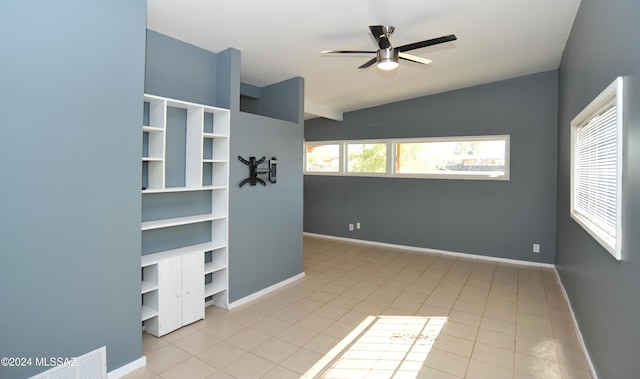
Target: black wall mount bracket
[[254, 170]]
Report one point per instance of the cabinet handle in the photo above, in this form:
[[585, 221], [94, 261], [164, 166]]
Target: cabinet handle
[[187, 291], [177, 294]]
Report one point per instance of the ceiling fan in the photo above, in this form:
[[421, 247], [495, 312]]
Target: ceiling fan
[[387, 56]]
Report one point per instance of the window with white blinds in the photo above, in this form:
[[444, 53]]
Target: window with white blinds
[[596, 172]]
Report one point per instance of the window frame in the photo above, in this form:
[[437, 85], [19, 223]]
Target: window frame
[[323, 143], [391, 151], [457, 175], [613, 94], [345, 155]]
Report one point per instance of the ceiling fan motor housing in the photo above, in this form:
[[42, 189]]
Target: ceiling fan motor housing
[[389, 57]]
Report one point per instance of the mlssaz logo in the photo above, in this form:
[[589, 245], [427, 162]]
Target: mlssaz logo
[[55, 361]]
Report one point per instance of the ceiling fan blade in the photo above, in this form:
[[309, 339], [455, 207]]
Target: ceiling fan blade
[[429, 42], [369, 63], [381, 34], [414, 58], [347, 52]]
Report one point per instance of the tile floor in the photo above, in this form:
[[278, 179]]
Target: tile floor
[[366, 311]]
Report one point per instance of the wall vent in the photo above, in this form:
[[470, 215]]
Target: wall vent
[[92, 365]]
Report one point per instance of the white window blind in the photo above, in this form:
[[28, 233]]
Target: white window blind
[[596, 177], [596, 163]]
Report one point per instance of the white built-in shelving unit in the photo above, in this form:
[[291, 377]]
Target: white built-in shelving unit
[[178, 283]]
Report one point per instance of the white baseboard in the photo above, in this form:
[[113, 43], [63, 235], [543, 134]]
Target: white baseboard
[[128, 368], [265, 291], [435, 251], [594, 375]]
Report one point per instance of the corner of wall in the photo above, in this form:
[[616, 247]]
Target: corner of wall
[[228, 80]]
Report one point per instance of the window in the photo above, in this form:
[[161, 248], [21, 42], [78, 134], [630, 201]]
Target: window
[[478, 156], [323, 157], [474, 157], [596, 168], [367, 157]]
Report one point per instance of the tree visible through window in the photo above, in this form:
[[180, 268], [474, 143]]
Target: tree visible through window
[[366, 157]]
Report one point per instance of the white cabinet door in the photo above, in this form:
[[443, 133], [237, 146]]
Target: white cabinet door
[[180, 293], [169, 295], [192, 288]]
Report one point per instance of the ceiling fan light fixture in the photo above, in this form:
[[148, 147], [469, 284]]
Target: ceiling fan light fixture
[[387, 65], [387, 59]]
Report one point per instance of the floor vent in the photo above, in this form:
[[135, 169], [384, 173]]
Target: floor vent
[[92, 365]]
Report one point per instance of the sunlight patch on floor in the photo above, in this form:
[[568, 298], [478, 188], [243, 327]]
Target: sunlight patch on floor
[[381, 347]]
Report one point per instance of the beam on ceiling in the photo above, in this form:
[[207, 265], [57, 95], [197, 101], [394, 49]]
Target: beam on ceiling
[[322, 111]]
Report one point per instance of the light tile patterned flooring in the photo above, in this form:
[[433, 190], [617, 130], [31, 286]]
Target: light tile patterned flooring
[[366, 311]]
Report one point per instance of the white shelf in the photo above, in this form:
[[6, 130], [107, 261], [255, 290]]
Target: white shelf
[[152, 129], [154, 258], [186, 104], [211, 267], [153, 98], [214, 288], [148, 287], [148, 312], [152, 159], [184, 189], [214, 188], [214, 135], [169, 222], [212, 246], [206, 168]]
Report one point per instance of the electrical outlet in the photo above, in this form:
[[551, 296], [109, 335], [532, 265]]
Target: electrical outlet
[[351, 227], [357, 225], [536, 248]]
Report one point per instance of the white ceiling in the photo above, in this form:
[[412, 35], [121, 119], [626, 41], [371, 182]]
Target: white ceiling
[[281, 39]]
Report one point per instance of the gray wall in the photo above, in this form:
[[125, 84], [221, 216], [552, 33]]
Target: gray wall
[[603, 292], [276, 100], [284, 100], [493, 218], [72, 77], [193, 70], [265, 223]]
